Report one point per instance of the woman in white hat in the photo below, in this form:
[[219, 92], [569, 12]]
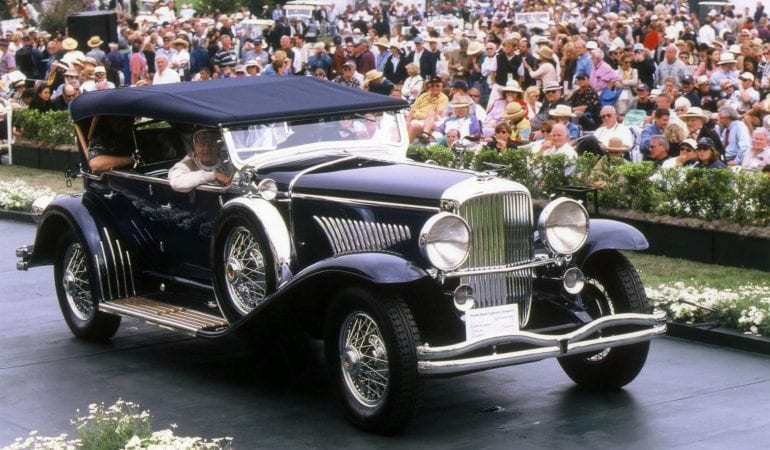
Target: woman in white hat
[[509, 93], [546, 71]]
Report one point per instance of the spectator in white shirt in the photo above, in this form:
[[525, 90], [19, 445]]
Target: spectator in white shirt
[[165, 74]]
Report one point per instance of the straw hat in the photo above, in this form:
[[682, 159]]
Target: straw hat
[[561, 111], [319, 46], [544, 53], [551, 86], [394, 44], [514, 111], [726, 58], [372, 75], [694, 112], [95, 41], [180, 41], [615, 144], [461, 101], [511, 86], [474, 48], [703, 79], [69, 44], [382, 42]]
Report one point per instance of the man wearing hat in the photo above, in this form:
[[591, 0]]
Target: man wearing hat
[[515, 115], [180, 62], [320, 59], [376, 83], [695, 119], [552, 92], [98, 83], [746, 96], [726, 71], [688, 90], [708, 157], [585, 103], [460, 119], [348, 77], [605, 172], [642, 100], [95, 43], [424, 58], [381, 44]]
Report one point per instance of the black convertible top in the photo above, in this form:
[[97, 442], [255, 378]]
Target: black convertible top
[[233, 101]]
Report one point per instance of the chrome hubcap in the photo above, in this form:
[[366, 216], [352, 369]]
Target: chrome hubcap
[[364, 359]]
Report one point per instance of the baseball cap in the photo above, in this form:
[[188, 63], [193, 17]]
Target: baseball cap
[[687, 79], [747, 76], [349, 65], [581, 75], [705, 142], [435, 80], [642, 87], [460, 84], [638, 47], [690, 142]]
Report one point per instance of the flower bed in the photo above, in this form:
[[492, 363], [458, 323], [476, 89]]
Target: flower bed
[[18, 195], [745, 308]]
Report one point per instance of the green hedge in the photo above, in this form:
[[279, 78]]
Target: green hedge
[[741, 197], [52, 127]]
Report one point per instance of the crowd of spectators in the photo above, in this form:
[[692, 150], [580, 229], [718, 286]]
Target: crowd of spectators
[[639, 79]]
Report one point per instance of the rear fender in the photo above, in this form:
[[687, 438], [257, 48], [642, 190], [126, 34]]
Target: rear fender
[[610, 235], [114, 276]]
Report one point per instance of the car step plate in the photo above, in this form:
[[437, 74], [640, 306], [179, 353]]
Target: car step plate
[[165, 315]]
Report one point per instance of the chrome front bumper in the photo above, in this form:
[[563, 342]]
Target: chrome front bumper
[[448, 359], [24, 254]]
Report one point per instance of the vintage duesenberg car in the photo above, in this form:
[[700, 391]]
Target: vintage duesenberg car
[[406, 270]]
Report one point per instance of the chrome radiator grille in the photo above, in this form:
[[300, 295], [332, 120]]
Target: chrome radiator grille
[[501, 227]]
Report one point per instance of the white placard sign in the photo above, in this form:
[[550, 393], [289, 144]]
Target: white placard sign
[[532, 18], [491, 321]]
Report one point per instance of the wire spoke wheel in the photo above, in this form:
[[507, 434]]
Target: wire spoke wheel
[[74, 276], [370, 345], [244, 270], [364, 359], [77, 287]]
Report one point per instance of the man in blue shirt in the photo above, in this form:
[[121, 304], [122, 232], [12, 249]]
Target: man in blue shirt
[[735, 135], [583, 64]]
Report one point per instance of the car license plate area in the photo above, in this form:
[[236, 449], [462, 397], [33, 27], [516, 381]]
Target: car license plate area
[[496, 320]]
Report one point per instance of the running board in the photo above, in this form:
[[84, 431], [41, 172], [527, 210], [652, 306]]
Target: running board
[[171, 317]]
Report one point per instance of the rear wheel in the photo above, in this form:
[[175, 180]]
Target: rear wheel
[[74, 273], [371, 356], [612, 286]]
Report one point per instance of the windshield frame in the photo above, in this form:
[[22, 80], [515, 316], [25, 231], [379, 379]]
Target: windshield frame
[[391, 123]]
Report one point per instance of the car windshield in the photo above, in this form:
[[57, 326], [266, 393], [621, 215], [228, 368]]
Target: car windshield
[[365, 130]]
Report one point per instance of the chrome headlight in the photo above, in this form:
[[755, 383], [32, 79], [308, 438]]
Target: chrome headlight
[[563, 226], [445, 240]]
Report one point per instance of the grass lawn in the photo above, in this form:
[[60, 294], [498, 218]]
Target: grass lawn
[[35, 177]]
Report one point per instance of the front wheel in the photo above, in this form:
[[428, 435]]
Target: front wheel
[[370, 342], [244, 273], [74, 273], [612, 286]]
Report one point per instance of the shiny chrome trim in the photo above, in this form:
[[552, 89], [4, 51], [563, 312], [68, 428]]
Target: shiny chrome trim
[[122, 268], [114, 262], [475, 186], [106, 270], [313, 168], [540, 340], [355, 201], [504, 269], [131, 273], [549, 210], [346, 235], [428, 226], [172, 317], [551, 346], [273, 226]]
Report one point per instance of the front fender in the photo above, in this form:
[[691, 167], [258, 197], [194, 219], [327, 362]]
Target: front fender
[[606, 234], [273, 226], [371, 268]]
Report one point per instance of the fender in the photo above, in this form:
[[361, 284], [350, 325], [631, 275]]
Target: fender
[[273, 226], [114, 270], [373, 268], [604, 234]]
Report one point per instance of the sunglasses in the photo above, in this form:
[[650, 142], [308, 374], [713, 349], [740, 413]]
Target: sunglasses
[[704, 149]]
